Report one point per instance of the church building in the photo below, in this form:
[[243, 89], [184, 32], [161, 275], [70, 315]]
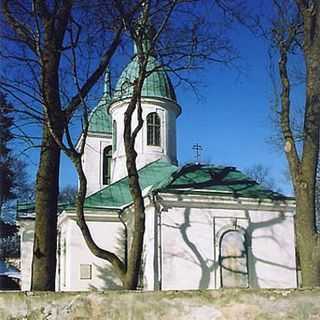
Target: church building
[[207, 226]]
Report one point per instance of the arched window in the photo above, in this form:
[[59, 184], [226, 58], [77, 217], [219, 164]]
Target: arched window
[[114, 136], [153, 129], [233, 259], [106, 170]]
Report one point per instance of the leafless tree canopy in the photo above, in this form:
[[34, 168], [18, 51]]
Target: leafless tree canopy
[[56, 52], [52, 64], [295, 30]]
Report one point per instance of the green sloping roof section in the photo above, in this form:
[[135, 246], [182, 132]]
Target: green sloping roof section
[[162, 176], [99, 120], [217, 179], [157, 84], [117, 194], [28, 208]]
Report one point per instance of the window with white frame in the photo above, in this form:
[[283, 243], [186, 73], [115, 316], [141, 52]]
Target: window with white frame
[[106, 165], [114, 136], [153, 129]]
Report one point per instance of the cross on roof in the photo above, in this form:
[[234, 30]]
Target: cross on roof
[[197, 149]]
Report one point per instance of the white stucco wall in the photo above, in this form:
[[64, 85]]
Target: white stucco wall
[[181, 246], [189, 250], [26, 242], [93, 160], [168, 112], [150, 257], [72, 252], [273, 250], [107, 235]]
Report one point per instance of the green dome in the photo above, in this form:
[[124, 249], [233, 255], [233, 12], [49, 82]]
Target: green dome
[[100, 121], [157, 84]]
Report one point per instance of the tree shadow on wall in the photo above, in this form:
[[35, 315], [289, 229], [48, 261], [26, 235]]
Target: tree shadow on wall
[[208, 267], [237, 184], [254, 259], [105, 272]]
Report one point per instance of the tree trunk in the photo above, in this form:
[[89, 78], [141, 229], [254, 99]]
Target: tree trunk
[[131, 279], [303, 162], [308, 238], [45, 236], [308, 241]]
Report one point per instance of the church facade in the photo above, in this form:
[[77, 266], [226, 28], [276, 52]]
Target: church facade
[[207, 226]]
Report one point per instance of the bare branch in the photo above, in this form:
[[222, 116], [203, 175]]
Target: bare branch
[[105, 60], [21, 30]]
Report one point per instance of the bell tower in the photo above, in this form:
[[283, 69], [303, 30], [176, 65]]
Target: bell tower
[[157, 139]]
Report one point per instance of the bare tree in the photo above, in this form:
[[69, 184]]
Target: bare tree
[[318, 198], [7, 182], [296, 30], [45, 38], [262, 175], [68, 194], [14, 182], [150, 29]]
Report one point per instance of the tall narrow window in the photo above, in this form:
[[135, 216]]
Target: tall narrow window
[[233, 260], [153, 129], [106, 170], [114, 136]]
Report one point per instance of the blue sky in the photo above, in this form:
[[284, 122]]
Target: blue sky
[[230, 118]]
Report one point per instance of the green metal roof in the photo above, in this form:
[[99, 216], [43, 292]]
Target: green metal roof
[[25, 207], [217, 179], [162, 176], [117, 194], [157, 84], [28, 208], [165, 177]]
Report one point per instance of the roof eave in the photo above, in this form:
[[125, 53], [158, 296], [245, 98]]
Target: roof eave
[[146, 98], [226, 195]]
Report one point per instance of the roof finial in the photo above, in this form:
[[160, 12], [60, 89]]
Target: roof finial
[[146, 30], [107, 84], [197, 149]]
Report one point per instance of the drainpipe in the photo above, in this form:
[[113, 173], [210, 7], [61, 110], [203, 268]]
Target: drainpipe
[[157, 264]]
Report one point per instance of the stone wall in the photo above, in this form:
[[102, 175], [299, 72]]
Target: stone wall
[[166, 305]]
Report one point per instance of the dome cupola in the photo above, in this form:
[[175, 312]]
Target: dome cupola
[[157, 138], [156, 85]]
